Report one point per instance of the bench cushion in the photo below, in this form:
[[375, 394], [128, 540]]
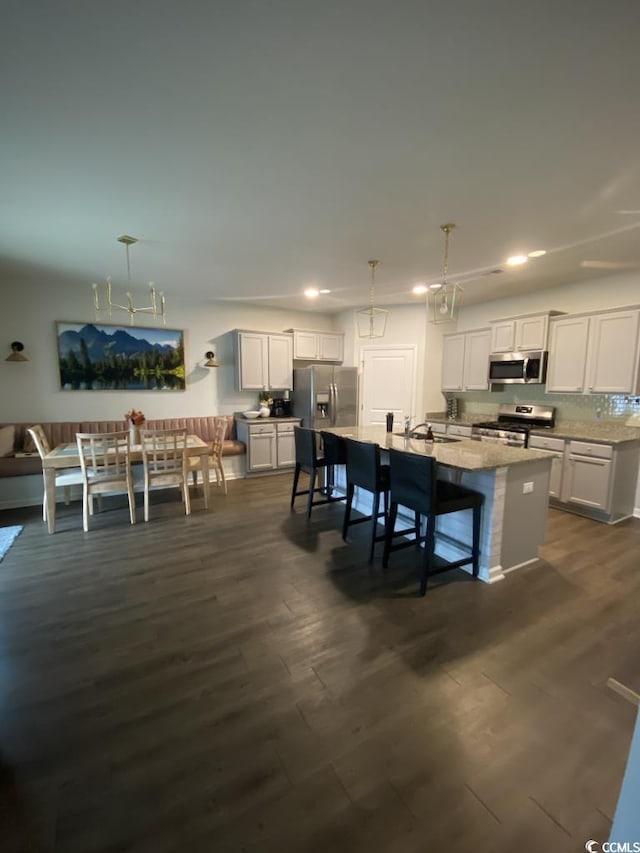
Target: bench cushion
[[65, 432]]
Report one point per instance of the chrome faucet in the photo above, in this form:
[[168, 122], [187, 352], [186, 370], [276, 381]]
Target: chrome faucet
[[410, 432]]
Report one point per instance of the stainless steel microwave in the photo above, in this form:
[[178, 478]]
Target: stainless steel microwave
[[518, 368]]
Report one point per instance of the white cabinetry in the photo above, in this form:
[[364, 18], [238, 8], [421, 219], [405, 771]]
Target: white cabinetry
[[286, 454], [270, 444], [588, 480], [567, 354], [261, 447], [553, 447], [595, 353], [465, 361], [459, 430], [613, 353], [264, 361], [517, 334], [591, 478], [309, 345]]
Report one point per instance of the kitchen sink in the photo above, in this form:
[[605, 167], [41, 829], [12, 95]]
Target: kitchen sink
[[437, 439]]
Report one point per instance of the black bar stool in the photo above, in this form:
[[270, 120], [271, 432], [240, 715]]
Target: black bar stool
[[414, 485], [365, 471], [334, 452], [307, 460]]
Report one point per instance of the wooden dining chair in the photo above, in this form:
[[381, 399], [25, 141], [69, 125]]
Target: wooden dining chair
[[215, 458], [106, 469], [164, 460], [65, 477]]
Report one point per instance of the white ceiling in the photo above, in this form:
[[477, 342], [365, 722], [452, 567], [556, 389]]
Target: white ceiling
[[256, 147]]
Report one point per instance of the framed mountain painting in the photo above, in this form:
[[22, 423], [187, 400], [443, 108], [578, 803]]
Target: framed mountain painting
[[98, 357]]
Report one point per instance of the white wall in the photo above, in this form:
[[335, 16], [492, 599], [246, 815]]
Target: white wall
[[610, 292], [30, 391], [405, 327]]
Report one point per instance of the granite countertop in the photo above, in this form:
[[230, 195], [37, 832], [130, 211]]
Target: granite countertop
[[608, 432], [465, 454], [240, 417], [603, 432]]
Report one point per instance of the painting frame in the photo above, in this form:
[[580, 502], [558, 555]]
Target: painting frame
[[96, 356]]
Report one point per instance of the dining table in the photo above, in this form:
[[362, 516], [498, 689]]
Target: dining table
[[67, 456]]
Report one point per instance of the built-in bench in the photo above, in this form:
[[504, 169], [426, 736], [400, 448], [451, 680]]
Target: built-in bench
[[65, 432]]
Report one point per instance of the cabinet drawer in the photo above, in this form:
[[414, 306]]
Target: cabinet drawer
[[284, 428], [439, 429], [454, 429], [262, 429], [539, 442], [584, 448]]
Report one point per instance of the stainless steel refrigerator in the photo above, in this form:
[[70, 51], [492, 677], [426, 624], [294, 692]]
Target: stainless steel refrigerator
[[325, 396]]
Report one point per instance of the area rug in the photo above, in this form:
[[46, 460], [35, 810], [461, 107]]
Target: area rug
[[7, 538]]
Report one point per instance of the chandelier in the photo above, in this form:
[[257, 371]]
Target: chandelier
[[157, 307], [372, 322], [445, 298]]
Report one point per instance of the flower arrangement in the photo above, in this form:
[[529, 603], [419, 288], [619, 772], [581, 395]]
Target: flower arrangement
[[134, 417], [265, 399]]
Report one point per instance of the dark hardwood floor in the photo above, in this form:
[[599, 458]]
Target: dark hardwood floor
[[240, 680]]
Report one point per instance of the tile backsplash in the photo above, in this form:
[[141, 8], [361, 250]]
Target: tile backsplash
[[572, 407]]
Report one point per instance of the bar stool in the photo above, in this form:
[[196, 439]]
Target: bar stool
[[307, 460], [334, 452], [414, 485], [365, 471]]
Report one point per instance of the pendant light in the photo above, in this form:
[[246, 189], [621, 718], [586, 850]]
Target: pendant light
[[372, 321], [445, 298]]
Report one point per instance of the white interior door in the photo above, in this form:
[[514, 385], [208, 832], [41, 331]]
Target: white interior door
[[388, 384]]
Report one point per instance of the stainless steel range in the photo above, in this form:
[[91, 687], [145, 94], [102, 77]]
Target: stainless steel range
[[514, 423]]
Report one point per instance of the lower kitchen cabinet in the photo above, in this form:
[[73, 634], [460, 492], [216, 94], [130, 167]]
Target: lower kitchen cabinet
[[591, 478], [553, 447], [589, 475], [286, 446], [270, 444]]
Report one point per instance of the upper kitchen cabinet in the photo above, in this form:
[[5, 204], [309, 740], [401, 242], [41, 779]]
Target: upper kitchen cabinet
[[595, 353], [517, 334], [264, 361], [317, 346], [567, 354], [465, 361], [613, 353]]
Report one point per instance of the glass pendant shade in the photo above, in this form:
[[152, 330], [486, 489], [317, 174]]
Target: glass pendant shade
[[372, 322], [444, 302]]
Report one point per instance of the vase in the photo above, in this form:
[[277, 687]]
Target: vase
[[134, 434], [265, 412]]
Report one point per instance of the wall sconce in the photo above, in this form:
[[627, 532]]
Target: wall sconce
[[16, 352], [211, 359]]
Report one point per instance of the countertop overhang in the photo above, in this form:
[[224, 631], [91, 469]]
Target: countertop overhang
[[465, 454]]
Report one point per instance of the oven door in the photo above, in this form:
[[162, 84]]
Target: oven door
[[498, 439]]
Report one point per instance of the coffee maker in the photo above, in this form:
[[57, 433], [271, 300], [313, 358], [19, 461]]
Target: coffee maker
[[281, 408]]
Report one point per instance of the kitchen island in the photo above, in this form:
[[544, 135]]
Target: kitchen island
[[515, 485]]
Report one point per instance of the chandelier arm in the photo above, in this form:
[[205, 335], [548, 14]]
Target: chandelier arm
[[130, 306]]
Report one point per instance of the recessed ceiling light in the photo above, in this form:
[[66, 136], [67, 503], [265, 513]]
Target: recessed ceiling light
[[324, 290], [311, 293], [538, 253], [516, 260], [419, 289]]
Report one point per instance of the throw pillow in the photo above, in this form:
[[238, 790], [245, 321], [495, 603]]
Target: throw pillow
[[7, 439]]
